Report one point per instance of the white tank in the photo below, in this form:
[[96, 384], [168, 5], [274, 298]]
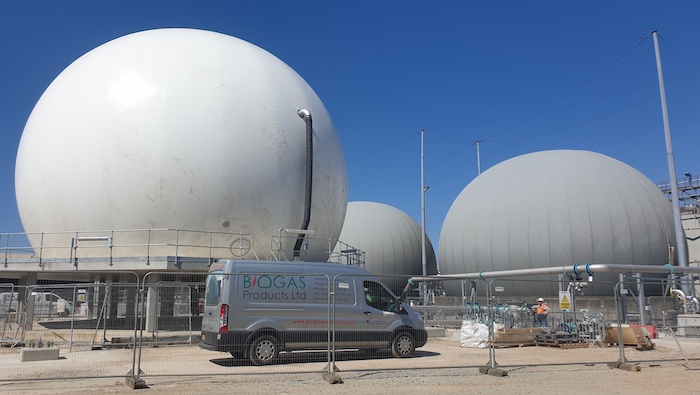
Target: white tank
[[390, 240], [180, 129], [556, 208]]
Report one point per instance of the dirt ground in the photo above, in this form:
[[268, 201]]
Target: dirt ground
[[441, 367]]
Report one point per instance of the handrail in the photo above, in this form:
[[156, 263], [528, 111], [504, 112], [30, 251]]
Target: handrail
[[71, 246]]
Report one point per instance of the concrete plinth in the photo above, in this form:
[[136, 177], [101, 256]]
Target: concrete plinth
[[135, 383], [332, 378], [493, 371], [38, 354], [434, 331], [624, 366]]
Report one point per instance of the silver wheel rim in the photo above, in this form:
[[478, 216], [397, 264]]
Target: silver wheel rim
[[404, 345], [265, 350]]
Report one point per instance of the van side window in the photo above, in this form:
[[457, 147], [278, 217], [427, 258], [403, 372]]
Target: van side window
[[378, 297], [213, 295]]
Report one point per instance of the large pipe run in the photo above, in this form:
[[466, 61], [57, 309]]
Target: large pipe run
[[306, 116], [576, 269]]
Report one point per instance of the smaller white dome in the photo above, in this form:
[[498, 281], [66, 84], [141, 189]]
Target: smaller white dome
[[390, 238]]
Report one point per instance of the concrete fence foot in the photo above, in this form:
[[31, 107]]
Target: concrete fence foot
[[135, 383], [332, 378], [38, 354], [624, 366], [493, 371]]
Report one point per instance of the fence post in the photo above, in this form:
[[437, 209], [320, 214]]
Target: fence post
[[618, 305], [330, 374]]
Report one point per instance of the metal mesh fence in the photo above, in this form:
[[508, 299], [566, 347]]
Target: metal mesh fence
[[153, 326]]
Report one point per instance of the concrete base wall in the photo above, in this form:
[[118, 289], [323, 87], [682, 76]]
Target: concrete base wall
[[38, 354]]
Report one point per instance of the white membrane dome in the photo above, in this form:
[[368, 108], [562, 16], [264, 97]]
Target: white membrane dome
[[390, 239], [556, 208], [179, 129]]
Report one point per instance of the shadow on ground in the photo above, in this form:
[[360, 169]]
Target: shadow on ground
[[287, 358]]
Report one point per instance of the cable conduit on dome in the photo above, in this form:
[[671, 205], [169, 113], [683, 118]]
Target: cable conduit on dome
[[306, 116]]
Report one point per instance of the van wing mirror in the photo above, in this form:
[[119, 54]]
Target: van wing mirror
[[410, 286]]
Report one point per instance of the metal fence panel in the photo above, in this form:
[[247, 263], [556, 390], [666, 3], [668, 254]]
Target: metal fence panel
[[153, 327]]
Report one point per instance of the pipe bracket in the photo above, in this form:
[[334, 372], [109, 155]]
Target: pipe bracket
[[576, 271], [670, 268]]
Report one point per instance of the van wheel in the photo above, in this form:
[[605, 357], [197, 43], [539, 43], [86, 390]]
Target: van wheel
[[403, 345], [264, 350]]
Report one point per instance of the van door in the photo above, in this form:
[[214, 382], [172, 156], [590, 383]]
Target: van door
[[349, 319], [378, 313], [212, 302], [360, 322], [316, 314]]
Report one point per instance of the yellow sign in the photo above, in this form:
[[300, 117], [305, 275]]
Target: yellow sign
[[564, 300]]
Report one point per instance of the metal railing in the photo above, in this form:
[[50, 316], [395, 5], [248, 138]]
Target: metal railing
[[150, 244]]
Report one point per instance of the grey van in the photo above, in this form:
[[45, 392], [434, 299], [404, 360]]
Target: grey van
[[257, 309]]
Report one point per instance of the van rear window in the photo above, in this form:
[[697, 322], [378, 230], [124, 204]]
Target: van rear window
[[212, 295]]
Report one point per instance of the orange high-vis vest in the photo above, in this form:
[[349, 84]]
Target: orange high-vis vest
[[541, 309]]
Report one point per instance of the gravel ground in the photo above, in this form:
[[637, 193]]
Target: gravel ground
[[441, 367]]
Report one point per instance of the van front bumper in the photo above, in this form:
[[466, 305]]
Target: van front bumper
[[421, 337]]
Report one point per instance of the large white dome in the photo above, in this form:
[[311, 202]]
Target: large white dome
[[556, 208], [390, 238], [183, 129]]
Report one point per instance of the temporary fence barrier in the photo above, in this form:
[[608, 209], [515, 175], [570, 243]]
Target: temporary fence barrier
[[151, 326]]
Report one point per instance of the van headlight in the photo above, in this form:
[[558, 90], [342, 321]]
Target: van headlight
[[418, 315]]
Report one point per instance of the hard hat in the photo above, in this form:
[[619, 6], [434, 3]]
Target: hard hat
[[540, 300]]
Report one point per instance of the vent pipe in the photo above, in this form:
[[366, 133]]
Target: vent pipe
[[306, 116]]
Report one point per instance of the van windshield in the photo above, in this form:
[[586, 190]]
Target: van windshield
[[212, 294]]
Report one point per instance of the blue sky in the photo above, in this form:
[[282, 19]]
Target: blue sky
[[519, 76]]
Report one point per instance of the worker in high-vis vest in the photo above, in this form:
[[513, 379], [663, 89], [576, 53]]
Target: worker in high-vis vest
[[541, 311]]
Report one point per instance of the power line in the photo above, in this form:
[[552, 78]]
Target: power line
[[674, 50], [636, 43], [379, 170], [567, 95], [549, 108], [599, 117]]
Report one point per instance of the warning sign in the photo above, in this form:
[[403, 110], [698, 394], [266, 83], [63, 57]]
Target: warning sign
[[564, 300]]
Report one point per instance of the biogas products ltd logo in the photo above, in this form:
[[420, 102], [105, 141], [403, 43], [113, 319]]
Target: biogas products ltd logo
[[275, 288]]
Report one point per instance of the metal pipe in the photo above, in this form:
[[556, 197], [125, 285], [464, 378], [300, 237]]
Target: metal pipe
[[568, 269], [696, 303], [492, 346], [623, 299], [640, 299], [682, 297], [306, 116]]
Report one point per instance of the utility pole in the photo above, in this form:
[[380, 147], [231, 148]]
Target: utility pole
[[680, 236], [424, 293], [478, 157]]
